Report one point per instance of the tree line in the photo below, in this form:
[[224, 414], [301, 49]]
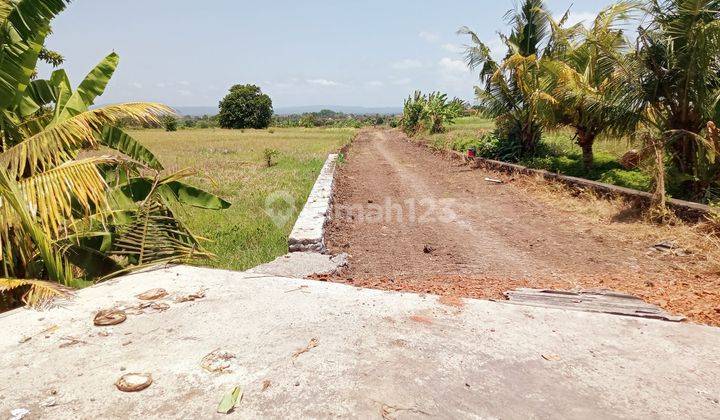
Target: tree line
[[647, 70]]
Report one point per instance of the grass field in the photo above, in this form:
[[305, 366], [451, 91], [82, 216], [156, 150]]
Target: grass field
[[232, 165]]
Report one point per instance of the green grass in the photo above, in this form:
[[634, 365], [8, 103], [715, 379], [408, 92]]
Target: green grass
[[559, 153], [233, 165]]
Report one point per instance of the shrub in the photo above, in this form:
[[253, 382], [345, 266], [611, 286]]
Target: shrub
[[169, 123], [245, 107], [269, 155]]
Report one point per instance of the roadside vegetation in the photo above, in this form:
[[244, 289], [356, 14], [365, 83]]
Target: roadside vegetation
[[431, 113], [67, 218], [657, 93]]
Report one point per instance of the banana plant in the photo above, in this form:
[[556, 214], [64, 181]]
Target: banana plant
[[65, 220]]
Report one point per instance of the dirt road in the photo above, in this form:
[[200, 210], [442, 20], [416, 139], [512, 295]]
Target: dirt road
[[412, 220]]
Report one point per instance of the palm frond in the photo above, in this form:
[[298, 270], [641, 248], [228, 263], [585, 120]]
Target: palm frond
[[58, 143], [55, 196], [39, 293]]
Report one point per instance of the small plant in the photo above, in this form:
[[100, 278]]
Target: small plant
[[271, 131], [269, 155], [341, 158]]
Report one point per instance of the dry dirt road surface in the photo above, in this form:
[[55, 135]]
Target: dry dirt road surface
[[415, 221]]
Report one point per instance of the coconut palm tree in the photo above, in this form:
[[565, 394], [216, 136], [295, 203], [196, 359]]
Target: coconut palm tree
[[581, 73], [670, 86], [515, 91]]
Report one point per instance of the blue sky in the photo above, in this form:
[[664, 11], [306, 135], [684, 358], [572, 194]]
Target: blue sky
[[366, 53]]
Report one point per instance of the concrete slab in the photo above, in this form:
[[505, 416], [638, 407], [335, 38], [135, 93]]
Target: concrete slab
[[309, 229], [378, 353], [302, 265]]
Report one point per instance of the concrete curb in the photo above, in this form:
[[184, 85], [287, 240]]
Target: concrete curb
[[309, 231]]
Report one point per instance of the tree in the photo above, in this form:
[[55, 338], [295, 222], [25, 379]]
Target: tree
[[669, 89], [515, 91], [245, 107], [581, 73], [65, 220]]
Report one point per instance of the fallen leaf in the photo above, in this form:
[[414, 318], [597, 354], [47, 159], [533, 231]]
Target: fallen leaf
[[152, 294], [109, 317], [230, 400], [266, 384]]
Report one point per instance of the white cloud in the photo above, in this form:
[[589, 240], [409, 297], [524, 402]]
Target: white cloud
[[374, 83], [402, 81], [136, 85], [323, 82], [161, 85], [450, 66], [453, 48], [184, 83], [407, 64], [429, 36], [184, 92]]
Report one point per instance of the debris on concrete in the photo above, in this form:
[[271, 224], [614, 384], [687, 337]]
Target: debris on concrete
[[109, 317], [312, 344], [71, 341], [230, 401], [191, 297], [134, 382], [551, 357], [152, 294], [217, 361], [265, 384]]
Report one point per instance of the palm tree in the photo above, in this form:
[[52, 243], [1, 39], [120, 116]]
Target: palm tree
[[65, 219], [670, 86], [515, 91], [581, 73]]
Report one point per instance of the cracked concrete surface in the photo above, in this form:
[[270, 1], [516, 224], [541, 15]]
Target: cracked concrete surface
[[399, 354]]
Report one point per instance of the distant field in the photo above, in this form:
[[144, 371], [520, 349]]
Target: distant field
[[244, 235]]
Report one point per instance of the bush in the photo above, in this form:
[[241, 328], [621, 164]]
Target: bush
[[169, 123], [269, 155], [245, 107]]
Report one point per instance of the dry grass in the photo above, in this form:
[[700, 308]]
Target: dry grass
[[623, 220], [233, 165]]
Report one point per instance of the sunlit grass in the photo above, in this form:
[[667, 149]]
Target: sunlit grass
[[233, 166]]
